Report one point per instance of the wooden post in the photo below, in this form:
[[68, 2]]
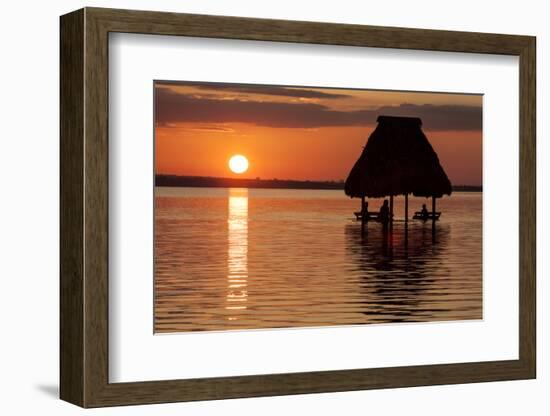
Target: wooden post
[[406, 208], [363, 219], [406, 242], [433, 219], [362, 213]]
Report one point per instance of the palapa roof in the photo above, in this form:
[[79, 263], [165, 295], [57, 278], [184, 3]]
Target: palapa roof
[[398, 159]]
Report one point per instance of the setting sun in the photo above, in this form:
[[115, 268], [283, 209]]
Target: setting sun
[[238, 164]]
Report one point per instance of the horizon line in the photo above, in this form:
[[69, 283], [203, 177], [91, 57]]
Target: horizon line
[[259, 179]]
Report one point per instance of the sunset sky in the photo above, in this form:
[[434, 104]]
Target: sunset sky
[[302, 133]]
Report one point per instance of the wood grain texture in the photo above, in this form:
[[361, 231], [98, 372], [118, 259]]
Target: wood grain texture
[[96, 218], [225, 27], [527, 208], [84, 207], [71, 213]]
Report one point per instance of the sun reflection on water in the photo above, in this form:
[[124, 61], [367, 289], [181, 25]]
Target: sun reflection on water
[[232, 259], [237, 252]]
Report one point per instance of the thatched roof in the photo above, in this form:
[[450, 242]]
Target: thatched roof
[[398, 159]]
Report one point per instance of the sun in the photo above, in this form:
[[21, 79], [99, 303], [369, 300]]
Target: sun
[[238, 164]]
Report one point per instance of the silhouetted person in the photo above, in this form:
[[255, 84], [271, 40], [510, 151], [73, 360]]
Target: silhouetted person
[[424, 211], [384, 214], [365, 209]]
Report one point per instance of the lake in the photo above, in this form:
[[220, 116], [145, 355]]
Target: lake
[[228, 259]]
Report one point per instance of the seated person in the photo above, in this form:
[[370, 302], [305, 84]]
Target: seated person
[[424, 211], [384, 214]]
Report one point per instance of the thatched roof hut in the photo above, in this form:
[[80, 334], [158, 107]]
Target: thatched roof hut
[[398, 159]]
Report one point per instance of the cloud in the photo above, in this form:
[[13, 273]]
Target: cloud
[[439, 117], [205, 128], [173, 107], [263, 90]]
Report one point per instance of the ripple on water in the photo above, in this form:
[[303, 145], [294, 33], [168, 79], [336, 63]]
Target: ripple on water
[[236, 259]]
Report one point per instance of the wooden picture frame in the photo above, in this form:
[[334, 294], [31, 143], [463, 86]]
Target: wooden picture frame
[[84, 207]]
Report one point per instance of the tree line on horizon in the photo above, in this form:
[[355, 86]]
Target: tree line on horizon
[[220, 182]]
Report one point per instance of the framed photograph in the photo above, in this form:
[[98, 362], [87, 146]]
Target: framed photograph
[[255, 207]]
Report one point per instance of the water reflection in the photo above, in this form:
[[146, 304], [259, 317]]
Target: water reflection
[[400, 267], [231, 259], [237, 252]]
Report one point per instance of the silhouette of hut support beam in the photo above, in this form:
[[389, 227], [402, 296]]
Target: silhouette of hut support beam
[[397, 160], [407, 208]]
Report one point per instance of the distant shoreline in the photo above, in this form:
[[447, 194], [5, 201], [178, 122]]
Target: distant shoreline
[[217, 182]]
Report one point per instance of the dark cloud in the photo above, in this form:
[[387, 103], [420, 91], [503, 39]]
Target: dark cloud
[[207, 128], [263, 89], [440, 117], [172, 107]]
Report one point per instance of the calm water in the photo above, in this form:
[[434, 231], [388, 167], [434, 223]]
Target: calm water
[[236, 258]]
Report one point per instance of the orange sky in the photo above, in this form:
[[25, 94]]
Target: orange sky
[[302, 133]]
